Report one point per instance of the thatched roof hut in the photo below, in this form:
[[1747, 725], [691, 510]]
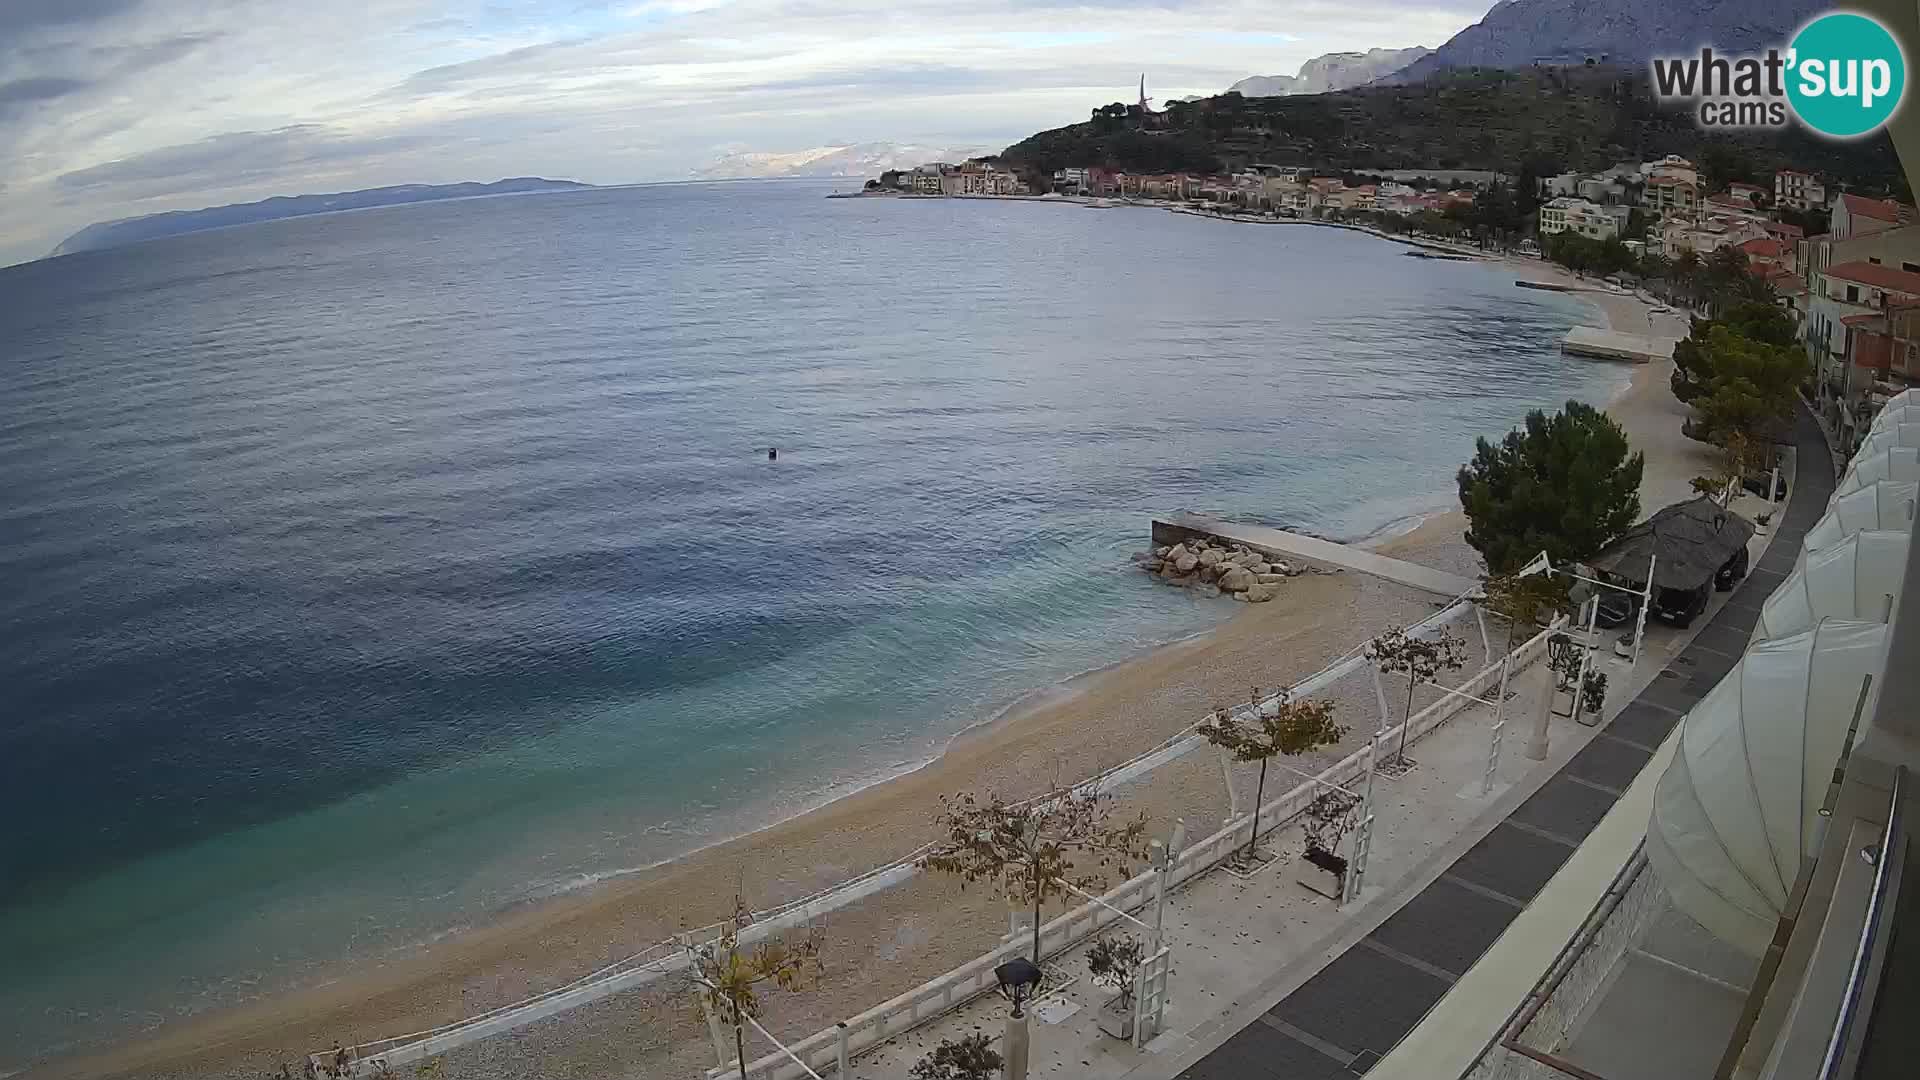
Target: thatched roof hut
[[1691, 541]]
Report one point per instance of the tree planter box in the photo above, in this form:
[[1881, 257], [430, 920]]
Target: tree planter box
[[1116, 1018], [1244, 868]]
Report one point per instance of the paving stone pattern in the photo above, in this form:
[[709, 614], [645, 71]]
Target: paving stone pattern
[[1344, 1019]]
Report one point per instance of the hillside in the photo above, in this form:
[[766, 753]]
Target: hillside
[[1539, 119], [1334, 71], [1626, 33], [108, 234]]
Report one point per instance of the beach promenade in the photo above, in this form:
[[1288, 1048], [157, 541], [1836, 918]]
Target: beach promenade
[[1344, 1018]]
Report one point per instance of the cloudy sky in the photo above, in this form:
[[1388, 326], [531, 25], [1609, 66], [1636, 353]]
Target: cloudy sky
[[112, 108]]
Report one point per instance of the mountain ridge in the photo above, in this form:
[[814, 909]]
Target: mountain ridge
[[1627, 33], [1331, 72], [132, 230]]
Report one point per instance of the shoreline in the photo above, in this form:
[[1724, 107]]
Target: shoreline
[[1091, 720]]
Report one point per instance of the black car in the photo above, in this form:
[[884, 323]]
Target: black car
[[1757, 485], [1617, 608], [1731, 571], [1681, 606]]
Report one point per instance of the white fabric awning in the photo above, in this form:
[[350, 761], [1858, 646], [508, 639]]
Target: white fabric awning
[[1887, 504], [1900, 434], [1850, 580], [1738, 807], [1902, 408], [1898, 463]]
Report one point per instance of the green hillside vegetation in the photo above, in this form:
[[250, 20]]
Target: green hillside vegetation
[[1537, 121]]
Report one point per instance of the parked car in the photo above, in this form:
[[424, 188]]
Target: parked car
[[1758, 485], [1731, 571], [1681, 606], [1617, 608]]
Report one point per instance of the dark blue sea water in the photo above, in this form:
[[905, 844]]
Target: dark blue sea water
[[362, 575]]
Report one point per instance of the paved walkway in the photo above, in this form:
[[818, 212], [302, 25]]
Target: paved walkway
[[1340, 1022], [1287, 545]]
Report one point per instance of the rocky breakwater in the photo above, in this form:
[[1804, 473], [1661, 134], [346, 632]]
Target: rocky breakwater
[[1215, 567]]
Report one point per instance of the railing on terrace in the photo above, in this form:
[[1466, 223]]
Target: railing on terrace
[[666, 957], [824, 1050], [1870, 953]]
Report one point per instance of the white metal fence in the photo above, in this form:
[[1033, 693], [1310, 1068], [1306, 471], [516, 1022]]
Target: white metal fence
[[858, 1034], [666, 957]]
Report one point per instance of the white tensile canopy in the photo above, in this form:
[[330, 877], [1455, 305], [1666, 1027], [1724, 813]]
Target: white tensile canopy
[[1887, 504], [1905, 399], [1850, 580], [1898, 463], [1738, 808], [1894, 414], [1898, 434]]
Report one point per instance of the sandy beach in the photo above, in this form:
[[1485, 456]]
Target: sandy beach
[[897, 939]]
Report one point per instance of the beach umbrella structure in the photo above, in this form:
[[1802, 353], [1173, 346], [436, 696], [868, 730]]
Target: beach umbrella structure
[[1738, 807], [1885, 504], [1857, 579], [1894, 463], [1686, 542]]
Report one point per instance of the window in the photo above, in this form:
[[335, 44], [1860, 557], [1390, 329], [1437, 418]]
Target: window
[[1874, 259], [1911, 268], [1853, 294]]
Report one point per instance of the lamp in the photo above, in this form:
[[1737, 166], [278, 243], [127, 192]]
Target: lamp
[[1019, 978]]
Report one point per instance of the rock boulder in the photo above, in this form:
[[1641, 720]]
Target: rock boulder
[[1237, 579]]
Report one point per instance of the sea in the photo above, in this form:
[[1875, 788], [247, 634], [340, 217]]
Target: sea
[[363, 576]]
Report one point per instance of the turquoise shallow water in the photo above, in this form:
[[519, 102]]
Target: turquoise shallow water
[[365, 575]]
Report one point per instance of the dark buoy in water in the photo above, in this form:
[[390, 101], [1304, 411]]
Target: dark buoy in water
[[773, 453]]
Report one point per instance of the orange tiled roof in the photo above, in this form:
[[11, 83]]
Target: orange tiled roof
[[1879, 209], [1878, 276]]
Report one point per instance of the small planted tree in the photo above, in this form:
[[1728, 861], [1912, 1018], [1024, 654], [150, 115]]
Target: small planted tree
[[728, 976], [1593, 694], [1114, 962], [1033, 850], [970, 1057], [1326, 819], [1421, 660], [1280, 726], [1519, 599]]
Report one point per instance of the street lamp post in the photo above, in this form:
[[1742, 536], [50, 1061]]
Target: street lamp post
[[1018, 978]]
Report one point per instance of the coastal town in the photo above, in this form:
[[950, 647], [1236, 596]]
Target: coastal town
[[1395, 571], [1844, 266]]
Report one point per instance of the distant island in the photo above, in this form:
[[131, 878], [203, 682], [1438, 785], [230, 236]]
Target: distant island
[[132, 230]]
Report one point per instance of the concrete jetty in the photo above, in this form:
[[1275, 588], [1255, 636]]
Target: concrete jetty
[[1282, 544], [1614, 345]]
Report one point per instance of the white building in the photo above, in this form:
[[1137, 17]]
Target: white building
[[1567, 214], [1802, 191]]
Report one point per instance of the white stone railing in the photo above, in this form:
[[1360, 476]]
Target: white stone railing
[[825, 1049], [666, 957]]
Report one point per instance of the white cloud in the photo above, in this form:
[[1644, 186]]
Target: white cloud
[[110, 108]]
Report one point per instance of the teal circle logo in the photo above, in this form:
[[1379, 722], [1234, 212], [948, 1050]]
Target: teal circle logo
[[1846, 74]]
